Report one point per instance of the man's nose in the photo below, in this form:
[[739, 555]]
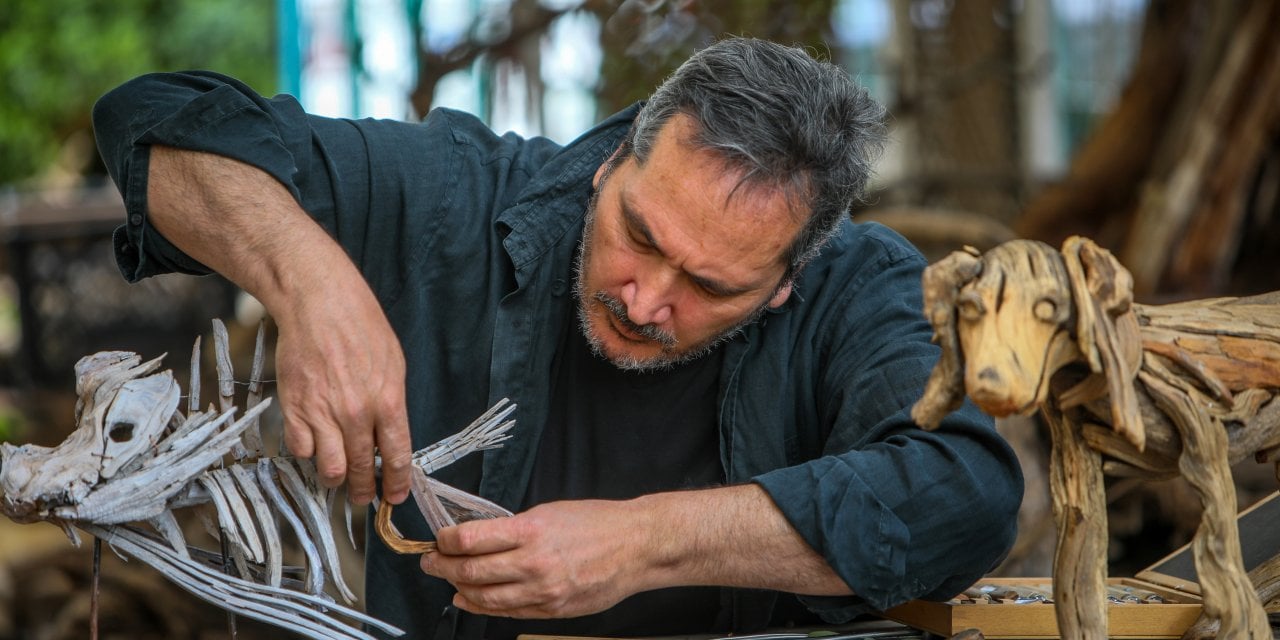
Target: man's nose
[[648, 299]]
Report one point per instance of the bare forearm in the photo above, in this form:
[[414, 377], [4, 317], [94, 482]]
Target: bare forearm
[[339, 363], [575, 557], [242, 223], [734, 536]]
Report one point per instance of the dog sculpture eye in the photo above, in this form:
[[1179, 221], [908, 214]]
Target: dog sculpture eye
[[1046, 310], [970, 306]]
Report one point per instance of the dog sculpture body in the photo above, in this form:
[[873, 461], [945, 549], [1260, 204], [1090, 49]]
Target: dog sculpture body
[[1187, 388]]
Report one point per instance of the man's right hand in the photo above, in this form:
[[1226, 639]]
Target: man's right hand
[[341, 387], [340, 367]]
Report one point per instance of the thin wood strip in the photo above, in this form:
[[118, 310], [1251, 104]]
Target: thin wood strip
[[392, 538]]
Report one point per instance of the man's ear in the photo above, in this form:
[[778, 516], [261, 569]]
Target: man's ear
[[781, 296], [604, 167]]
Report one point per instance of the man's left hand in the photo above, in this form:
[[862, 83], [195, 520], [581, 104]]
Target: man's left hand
[[573, 558], [560, 559]]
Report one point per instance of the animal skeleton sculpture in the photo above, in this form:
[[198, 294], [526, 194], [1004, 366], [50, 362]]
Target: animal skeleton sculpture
[[135, 460], [1187, 388]]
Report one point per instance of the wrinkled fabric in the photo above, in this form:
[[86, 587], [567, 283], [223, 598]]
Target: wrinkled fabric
[[467, 238]]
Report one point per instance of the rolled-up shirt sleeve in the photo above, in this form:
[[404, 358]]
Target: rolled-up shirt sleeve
[[898, 512], [201, 111]]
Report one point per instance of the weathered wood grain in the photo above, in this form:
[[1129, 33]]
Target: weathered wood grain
[[1128, 389]]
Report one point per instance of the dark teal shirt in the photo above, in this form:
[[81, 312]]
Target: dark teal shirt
[[467, 238]]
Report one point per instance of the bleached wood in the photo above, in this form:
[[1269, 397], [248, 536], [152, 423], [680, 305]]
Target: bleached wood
[[135, 457]]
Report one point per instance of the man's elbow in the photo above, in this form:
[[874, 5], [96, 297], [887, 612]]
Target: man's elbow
[[997, 520], [111, 115]]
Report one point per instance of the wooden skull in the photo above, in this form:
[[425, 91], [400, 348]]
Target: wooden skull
[[123, 409]]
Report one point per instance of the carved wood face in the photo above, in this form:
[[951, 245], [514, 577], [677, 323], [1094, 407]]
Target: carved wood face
[[1014, 323]]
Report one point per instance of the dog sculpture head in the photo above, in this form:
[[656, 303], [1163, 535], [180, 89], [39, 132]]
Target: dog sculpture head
[[1007, 321]]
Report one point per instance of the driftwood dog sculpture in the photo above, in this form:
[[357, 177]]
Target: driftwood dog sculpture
[[136, 460], [1185, 388]]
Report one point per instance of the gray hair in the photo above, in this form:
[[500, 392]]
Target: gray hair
[[781, 118]]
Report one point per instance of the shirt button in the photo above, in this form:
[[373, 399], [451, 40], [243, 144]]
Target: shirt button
[[558, 287], [135, 219]]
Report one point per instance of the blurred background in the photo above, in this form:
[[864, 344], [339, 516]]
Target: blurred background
[[1151, 126]]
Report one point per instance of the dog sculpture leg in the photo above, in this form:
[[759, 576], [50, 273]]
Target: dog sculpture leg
[[1265, 579], [1079, 564], [1228, 594]]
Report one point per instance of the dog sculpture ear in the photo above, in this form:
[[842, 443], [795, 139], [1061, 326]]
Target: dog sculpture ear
[[942, 283], [1105, 332]]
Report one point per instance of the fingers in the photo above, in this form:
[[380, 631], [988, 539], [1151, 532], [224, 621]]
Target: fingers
[[480, 552], [346, 452], [495, 585], [474, 570], [297, 436], [358, 442], [396, 450], [390, 431], [342, 402], [481, 537], [510, 600], [331, 459]]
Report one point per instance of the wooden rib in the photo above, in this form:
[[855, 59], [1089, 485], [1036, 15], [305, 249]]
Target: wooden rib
[[265, 520]]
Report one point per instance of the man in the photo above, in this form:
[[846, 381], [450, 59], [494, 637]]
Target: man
[[714, 367]]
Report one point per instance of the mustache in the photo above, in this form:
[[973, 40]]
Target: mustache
[[619, 311]]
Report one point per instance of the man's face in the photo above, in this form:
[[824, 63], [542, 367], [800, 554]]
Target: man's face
[[670, 263]]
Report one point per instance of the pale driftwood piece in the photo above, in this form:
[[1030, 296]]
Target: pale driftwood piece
[[226, 379], [315, 515], [267, 480], [486, 432], [290, 609], [943, 281], [193, 393], [134, 458], [1265, 580], [253, 435], [1080, 559], [228, 528], [166, 524], [1190, 387], [1228, 596], [222, 358], [246, 481], [245, 529]]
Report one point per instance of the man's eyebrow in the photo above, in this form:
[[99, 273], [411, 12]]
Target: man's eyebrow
[[634, 221], [637, 223], [717, 287]]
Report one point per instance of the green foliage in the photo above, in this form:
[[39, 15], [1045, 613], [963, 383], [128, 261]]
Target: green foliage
[[58, 56], [10, 425]]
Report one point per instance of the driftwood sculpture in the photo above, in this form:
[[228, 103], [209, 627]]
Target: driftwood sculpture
[[135, 461], [1186, 388]]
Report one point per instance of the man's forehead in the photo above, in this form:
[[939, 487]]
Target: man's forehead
[[683, 131]]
